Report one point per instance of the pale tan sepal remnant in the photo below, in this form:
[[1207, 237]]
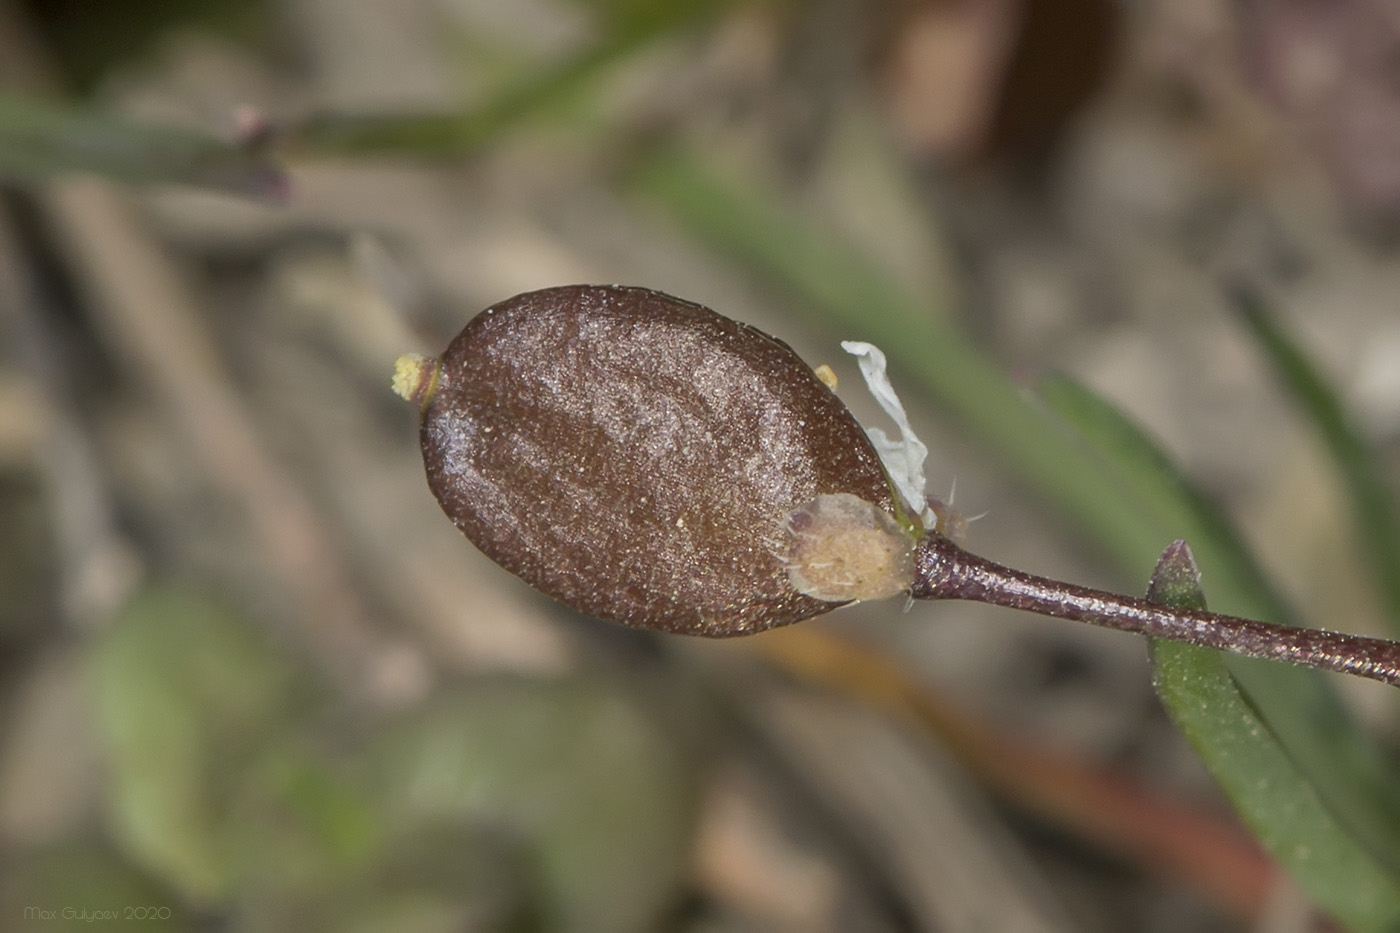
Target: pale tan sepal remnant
[[951, 523], [843, 548]]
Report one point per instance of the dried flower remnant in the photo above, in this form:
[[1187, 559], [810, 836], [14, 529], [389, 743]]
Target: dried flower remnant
[[903, 457], [637, 456], [948, 521], [843, 548], [415, 377]]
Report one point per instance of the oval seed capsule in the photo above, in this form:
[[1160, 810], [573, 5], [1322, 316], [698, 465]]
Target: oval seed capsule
[[637, 456]]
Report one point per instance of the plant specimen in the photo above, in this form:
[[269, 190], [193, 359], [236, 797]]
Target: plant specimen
[[647, 460]]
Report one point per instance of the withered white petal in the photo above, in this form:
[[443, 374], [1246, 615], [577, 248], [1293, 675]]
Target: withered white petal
[[903, 457]]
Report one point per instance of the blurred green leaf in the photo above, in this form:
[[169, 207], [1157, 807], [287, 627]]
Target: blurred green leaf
[[601, 798], [1127, 510], [629, 25], [1350, 772], [184, 693], [335, 812], [1372, 500], [40, 139], [429, 877], [294, 824], [1261, 780], [653, 15], [447, 877], [509, 805], [1146, 469]]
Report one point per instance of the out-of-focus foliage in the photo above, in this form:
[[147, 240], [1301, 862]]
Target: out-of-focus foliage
[[40, 139], [1364, 479], [236, 787], [1343, 852], [187, 699], [506, 804], [559, 768], [626, 27]]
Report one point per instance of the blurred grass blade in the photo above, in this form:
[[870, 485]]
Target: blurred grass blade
[[1354, 778], [843, 289], [1127, 511], [1257, 774], [1146, 466], [461, 132], [452, 133], [40, 139], [1371, 499], [595, 789], [181, 689]]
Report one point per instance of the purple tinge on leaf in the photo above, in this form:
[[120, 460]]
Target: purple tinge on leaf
[[1176, 580]]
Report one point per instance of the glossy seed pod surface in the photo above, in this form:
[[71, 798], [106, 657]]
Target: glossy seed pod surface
[[636, 456]]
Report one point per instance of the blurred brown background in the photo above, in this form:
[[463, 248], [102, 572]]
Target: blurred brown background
[[251, 677]]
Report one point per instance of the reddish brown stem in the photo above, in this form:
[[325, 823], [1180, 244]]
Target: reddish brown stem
[[946, 571]]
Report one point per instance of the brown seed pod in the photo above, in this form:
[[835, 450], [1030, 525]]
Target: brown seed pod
[[637, 456]]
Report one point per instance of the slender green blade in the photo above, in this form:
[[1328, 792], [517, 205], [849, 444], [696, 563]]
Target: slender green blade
[[1352, 774], [455, 133], [1146, 469], [630, 28], [1371, 498], [1257, 774], [40, 139]]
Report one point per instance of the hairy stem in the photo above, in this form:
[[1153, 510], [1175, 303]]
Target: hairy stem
[[946, 571]]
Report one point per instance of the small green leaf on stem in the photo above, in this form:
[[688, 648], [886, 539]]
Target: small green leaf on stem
[[1356, 780], [1177, 579], [1276, 801]]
